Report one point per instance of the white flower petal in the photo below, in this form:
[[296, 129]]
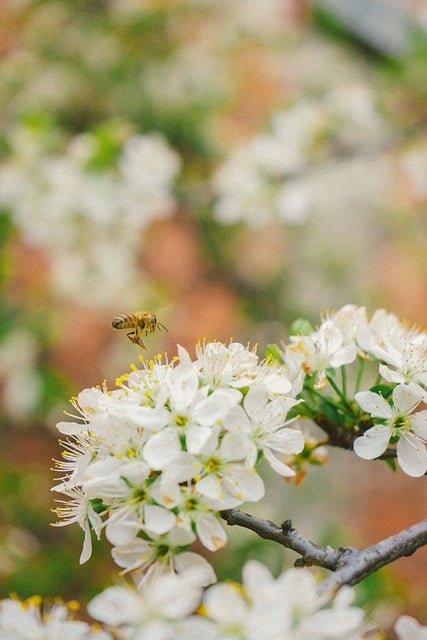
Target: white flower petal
[[406, 397], [210, 487], [244, 483], [279, 467], [408, 628], [256, 575], [213, 490], [162, 448], [236, 420], [71, 428], [165, 491], [87, 544], [122, 527], [183, 387], [373, 443], [184, 467], [174, 595], [235, 446], [158, 520], [334, 623], [115, 606], [412, 455], [255, 402], [212, 409], [374, 404], [345, 355], [210, 531], [200, 439], [200, 571], [390, 375], [286, 441], [224, 603], [419, 424]]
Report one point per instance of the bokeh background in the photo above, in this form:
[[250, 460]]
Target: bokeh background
[[229, 166]]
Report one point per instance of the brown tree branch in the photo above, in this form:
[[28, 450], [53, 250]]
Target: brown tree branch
[[359, 564], [349, 564], [287, 536]]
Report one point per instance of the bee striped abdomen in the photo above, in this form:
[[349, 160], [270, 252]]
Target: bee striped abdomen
[[132, 320], [138, 322]]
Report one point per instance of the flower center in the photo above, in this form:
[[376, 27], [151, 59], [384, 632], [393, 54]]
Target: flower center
[[401, 422], [212, 465], [180, 421]]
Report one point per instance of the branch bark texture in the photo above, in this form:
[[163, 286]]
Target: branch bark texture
[[350, 565]]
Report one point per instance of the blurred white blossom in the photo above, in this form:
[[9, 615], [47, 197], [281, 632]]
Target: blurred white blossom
[[414, 165], [260, 608], [408, 628], [30, 620], [21, 382], [269, 177], [288, 607], [89, 218]]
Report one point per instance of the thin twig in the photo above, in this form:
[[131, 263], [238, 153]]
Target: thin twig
[[287, 536], [349, 564], [360, 564]]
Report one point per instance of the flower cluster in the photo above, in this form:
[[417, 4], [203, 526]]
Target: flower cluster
[[262, 607], [155, 460], [108, 183], [30, 620], [262, 180], [388, 409], [177, 607]]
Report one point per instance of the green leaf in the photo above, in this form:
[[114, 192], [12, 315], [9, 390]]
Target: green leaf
[[97, 505], [391, 463], [385, 390], [301, 327], [331, 413]]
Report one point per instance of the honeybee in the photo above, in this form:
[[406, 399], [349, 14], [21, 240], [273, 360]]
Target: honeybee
[[140, 322]]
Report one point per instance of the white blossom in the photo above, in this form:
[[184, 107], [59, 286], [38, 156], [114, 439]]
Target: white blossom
[[154, 460], [59, 198], [77, 508], [326, 347], [265, 424], [408, 628], [29, 620], [264, 180], [289, 607], [396, 420], [172, 597]]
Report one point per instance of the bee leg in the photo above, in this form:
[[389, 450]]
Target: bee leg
[[141, 344], [148, 329], [135, 337]]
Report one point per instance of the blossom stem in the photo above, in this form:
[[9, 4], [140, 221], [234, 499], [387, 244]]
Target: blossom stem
[[344, 380], [339, 392], [323, 398], [360, 369]]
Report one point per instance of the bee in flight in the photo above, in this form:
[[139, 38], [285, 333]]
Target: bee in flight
[[140, 322]]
